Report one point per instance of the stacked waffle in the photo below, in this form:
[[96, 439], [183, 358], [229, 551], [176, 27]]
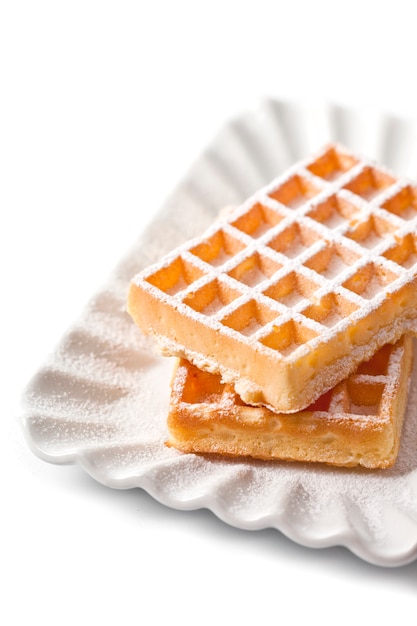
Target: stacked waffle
[[292, 318]]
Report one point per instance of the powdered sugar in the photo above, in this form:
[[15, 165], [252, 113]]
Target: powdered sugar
[[117, 432], [352, 259], [104, 395]]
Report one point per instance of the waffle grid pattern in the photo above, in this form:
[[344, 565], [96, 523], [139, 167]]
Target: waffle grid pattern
[[306, 257], [357, 423], [367, 394]]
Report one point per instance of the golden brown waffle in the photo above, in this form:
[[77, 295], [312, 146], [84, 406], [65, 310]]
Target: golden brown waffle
[[357, 423], [288, 293]]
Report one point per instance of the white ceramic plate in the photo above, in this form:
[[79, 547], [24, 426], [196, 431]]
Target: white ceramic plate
[[101, 400]]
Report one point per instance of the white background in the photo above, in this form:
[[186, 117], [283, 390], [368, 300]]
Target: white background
[[103, 107]]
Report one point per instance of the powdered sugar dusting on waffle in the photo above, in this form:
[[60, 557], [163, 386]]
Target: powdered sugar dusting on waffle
[[356, 423], [370, 512], [309, 257], [365, 396]]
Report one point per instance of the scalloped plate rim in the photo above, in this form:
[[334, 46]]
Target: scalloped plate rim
[[276, 520]]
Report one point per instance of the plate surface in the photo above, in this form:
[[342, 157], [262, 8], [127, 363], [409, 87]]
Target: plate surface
[[101, 400]]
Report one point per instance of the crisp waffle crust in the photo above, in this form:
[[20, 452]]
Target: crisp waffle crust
[[356, 423], [288, 293]]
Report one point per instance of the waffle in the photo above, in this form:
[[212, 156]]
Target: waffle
[[356, 423], [288, 293]]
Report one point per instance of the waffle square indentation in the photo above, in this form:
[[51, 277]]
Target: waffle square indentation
[[175, 277], [295, 191], [292, 289], [403, 251], [330, 309], [249, 317], [205, 388], [211, 297], [364, 399], [369, 280], [254, 269], [333, 212], [369, 183], [403, 204], [293, 240], [378, 364], [287, 337], [332, 260], [332, 164], [258, 220], [371, 232], [218, 248]]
